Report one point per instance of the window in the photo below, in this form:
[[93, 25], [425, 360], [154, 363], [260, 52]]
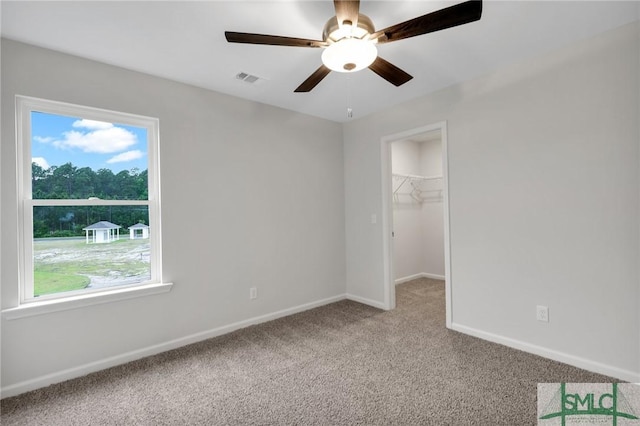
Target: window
[[89, 211]]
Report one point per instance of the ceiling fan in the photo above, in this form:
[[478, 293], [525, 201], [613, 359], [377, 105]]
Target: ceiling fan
[[350, 39]]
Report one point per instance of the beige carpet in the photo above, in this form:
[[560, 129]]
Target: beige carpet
[[341, 364]]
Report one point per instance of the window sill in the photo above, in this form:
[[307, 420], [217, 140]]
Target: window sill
[[74, 302]]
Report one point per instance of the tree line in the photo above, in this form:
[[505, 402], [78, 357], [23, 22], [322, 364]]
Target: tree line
[[70, 182]]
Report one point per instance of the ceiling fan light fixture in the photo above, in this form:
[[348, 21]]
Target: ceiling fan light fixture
[[349, 55]]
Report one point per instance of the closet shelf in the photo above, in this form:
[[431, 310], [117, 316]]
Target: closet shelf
[[414, 180], [411, 178]]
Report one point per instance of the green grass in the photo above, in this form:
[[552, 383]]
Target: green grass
[[45, 282]]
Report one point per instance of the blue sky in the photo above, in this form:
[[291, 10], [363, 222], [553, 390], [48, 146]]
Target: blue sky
[[58, 139]]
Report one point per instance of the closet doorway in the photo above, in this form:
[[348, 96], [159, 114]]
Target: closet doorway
[[417, 208]]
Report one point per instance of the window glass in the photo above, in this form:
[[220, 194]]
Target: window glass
[[90, 191], [75, 158]]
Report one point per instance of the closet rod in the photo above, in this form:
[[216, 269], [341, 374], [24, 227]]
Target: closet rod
[[416, 177]]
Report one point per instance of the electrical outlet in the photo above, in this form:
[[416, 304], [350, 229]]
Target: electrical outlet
[[542, 313], [253, 293]]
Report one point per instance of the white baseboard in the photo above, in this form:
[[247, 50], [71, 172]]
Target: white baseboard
[[585, 364], [83, 370], [420, 275], [366, 301]]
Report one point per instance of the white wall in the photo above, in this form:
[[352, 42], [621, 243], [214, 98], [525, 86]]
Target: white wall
[[408, 242], [432, 209], [544, 201], [266, 184]]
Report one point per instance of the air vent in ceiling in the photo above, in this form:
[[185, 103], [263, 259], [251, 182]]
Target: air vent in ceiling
[[247, 78]]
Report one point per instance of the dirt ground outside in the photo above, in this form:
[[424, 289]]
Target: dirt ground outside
[[124, 261]]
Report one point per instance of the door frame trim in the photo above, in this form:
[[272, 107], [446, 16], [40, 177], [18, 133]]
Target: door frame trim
[[387, 215]]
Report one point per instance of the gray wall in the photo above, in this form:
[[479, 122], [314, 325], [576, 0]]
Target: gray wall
[[268, 188], [544, 201]]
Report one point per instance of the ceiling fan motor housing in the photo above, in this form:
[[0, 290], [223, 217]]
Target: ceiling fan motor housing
[[332, 29]]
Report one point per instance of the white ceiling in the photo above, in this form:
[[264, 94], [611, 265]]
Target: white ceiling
[[184, 41]]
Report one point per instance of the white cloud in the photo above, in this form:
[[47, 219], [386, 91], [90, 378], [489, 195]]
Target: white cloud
[[104, 140], [126, 156], [92, 124], [41, 139], [40, 161]]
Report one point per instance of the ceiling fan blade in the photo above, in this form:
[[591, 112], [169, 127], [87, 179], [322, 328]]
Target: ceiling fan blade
[[449, 17], [347, 10], [313, 79], [248, 38], [389, 72]]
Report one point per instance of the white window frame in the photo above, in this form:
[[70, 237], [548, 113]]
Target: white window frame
[[66, 300]]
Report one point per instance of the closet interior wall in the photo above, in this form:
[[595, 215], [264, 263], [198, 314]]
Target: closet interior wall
[[418, 208]]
